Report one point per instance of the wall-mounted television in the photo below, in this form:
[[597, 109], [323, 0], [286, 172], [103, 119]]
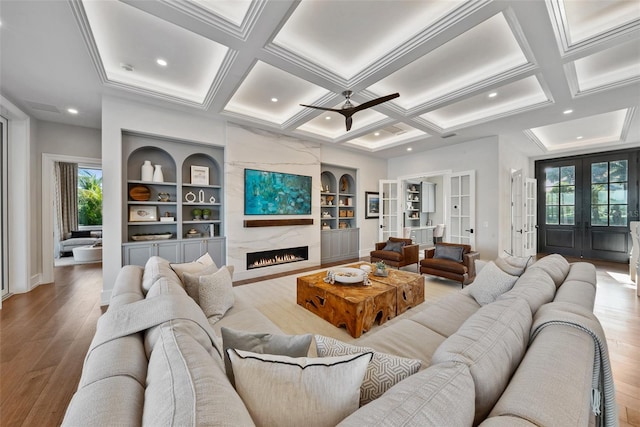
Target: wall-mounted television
[[276, 193]]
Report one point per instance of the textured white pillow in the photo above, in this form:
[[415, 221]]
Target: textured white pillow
[[311, 392], [215, 293], [191, 281], [384, 371], [194, 267], [490, 283]]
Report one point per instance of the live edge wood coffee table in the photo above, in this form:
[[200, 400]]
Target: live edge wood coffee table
[[353, 306], [409, 286], [356, 306]]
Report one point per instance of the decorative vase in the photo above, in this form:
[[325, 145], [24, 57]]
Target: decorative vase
[[157, 174], [146, 171]]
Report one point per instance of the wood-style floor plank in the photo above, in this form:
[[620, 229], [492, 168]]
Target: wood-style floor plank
[[45, 334]]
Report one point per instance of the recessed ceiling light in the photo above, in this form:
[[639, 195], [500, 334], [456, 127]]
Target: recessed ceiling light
[[72, 111], [409, 148], [579, 137], [274, 99], [126, 67], [376, 134], [493, 94], [328, 118], [567, 111], [161, 62]]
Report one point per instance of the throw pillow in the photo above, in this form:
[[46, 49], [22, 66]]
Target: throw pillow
[[513, 265], [453, 253], [490, 283], [191, 281], [384, 371], [312, 392], [393, 246], [80, 234], [479, 265], [193, 267], [216, 294], [284, 345]]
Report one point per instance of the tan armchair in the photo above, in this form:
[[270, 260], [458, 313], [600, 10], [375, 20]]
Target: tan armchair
[[463, 271], [407, 254]]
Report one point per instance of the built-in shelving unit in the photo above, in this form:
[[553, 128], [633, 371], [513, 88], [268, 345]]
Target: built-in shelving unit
[[183, 236], [338, 209]]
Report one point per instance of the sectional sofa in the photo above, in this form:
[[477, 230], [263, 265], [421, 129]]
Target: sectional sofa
[[530, 354]]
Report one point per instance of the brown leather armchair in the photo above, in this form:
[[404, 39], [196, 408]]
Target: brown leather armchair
[[462, 271], [408, 253]]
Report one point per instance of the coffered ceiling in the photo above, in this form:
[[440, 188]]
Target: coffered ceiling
[[562, 75]]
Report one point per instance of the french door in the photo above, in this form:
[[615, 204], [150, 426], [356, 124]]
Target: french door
[[586, 204], [461, 211], [389, 220]]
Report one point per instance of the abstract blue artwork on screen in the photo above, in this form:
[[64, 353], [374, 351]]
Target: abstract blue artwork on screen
[[275, 193]]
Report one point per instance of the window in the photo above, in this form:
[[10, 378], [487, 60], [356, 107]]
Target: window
[[89, 196], [560, 188], [609, 193]]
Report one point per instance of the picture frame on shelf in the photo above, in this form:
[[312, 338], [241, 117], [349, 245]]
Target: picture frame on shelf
[[372, 204], [199, 175], [142, 213]]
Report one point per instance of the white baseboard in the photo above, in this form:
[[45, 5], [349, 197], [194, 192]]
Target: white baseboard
[[36, 280]]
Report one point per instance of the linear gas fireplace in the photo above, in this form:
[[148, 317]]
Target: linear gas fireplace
[[276, 256]]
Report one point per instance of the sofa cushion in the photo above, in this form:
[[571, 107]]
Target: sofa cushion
[[490, 283], [582, 271], [114, 401], [577, 292], [554, 265], [215, 293], [126, 288], [155, 268], [446, 314], [285, 345], [186, 383], [383, 372], [444, 265], [284, 391], [123, 356], [79, 234], [401, 338], [513, 265], [387, 255], [394, 246], [491, 342], [534, 286], [442, 395], [194, 267], [450, 252]]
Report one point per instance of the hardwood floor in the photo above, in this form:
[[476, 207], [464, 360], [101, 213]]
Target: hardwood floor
[[45, 334]]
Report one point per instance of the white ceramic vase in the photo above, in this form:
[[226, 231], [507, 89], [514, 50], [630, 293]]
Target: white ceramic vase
[[146, 171], [157, 174]]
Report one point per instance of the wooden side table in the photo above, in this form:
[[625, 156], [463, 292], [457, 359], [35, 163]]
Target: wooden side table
[[353, 306]]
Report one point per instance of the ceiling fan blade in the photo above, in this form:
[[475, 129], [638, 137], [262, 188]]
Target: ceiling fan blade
[[348, 122], [321, 108], [374, 102]]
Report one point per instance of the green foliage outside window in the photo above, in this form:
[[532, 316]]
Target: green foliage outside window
[[89, 197]]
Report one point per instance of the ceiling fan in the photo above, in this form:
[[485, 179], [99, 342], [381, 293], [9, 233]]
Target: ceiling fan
[[349, 110]]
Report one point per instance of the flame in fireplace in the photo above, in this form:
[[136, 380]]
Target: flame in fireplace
[[278, 259]]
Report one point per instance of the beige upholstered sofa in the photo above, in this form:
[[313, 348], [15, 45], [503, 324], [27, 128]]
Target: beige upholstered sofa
[[479, 363]]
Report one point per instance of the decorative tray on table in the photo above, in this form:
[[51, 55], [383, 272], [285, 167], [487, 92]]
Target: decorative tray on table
[[346, 275]]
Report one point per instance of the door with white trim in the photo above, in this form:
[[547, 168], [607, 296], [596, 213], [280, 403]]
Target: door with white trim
[[389, 220], [461, 215], [530, 229]]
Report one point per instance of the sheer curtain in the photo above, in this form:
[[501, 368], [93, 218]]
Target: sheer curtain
[[66, 199]]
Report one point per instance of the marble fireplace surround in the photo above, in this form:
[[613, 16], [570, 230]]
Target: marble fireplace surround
[[256, 149]]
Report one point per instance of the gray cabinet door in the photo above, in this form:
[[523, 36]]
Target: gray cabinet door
[[354, 243], [215, 247], [168, 251], [136, 254], [192, 250]]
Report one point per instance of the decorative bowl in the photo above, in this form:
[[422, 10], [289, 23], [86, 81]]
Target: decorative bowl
[[348, 275]]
